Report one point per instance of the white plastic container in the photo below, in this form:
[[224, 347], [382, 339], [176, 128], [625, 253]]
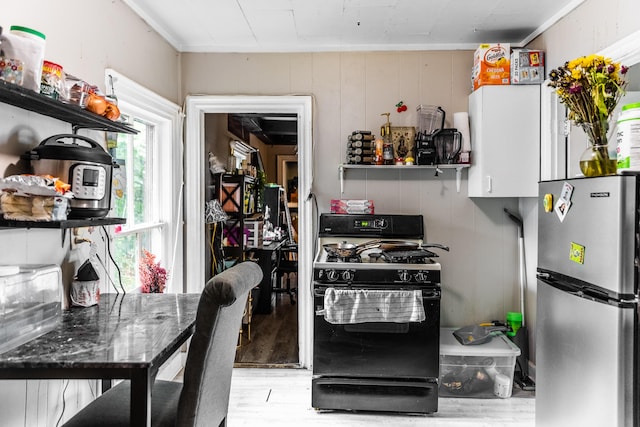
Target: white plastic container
[[26, 45], [628, 138], [477, 371]]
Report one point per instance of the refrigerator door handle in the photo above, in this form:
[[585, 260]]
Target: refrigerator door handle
[[586, 292]]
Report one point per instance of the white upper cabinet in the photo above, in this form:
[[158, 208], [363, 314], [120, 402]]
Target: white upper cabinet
[[505, 138]]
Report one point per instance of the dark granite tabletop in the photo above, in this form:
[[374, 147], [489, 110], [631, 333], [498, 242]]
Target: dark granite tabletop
[[123, 331], [124, 337]]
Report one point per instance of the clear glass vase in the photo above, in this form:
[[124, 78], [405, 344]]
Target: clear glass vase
[[595, 161]]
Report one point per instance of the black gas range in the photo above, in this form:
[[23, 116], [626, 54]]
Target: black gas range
[[377, 316]]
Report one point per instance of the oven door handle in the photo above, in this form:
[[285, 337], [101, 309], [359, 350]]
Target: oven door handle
[[427, 294], [430, 295]]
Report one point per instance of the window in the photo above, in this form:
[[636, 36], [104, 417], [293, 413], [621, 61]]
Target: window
[[150, 179]]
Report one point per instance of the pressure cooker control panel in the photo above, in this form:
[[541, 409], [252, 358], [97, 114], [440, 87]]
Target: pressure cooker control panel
[[88, 182]]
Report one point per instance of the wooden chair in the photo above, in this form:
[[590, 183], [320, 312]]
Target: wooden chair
[[287, 265], [203, 399]]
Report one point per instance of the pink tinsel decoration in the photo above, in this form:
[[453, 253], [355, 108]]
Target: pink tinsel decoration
[[152, 276]]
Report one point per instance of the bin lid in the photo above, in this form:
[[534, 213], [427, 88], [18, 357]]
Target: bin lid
[[499, 345], [9, 270]]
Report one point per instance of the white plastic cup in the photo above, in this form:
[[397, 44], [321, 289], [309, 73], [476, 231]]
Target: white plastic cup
[[502, 386]]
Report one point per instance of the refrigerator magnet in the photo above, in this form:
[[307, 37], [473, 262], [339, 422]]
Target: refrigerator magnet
[[567, 191], [577, 253], [547, 202], [562, 207]]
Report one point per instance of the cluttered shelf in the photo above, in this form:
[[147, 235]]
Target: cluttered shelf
[[62, 225], [457, 166], [68, 223], [75, 115]]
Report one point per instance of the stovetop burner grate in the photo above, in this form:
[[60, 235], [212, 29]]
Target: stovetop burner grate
[[419, 256], [353, 258]]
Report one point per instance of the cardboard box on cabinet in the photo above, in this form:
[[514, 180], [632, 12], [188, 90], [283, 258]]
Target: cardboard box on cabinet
[[527, 66], [491, 65]]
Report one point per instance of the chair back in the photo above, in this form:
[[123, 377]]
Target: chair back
[[204, 400]]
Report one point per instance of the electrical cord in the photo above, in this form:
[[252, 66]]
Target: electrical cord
[[108, 240], [107, 274], [64, 402]]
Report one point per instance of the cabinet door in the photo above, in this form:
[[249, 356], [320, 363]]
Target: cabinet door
[[505, 141]]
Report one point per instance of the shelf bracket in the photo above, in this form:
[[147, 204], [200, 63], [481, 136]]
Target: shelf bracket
[[458, 178], [341, 174]]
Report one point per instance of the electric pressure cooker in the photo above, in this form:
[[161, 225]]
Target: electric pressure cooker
[[82, 163]]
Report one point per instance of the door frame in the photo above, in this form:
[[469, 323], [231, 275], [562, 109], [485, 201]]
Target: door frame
[[195, 167]]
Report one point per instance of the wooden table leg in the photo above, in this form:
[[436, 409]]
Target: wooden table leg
[[106, 385]]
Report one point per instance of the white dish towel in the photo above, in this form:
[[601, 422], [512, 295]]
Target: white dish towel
[[347, 306]]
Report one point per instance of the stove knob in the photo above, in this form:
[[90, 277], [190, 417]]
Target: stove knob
[[347, 276], [332, 275], [421, 276], [404, 276]]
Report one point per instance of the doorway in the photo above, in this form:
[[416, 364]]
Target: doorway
[[194, 192], [269, 336]]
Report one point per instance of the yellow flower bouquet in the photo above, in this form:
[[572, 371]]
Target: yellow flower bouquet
[[590, 87]]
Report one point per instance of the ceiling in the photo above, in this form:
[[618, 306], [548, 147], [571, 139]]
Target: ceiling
[[341, 25], [271, 129], [347, 25]]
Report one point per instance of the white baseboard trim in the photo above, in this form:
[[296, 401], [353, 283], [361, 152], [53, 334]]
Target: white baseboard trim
[[172, 366]]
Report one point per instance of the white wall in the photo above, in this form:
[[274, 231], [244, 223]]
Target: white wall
[[85, 39], [351, 90]]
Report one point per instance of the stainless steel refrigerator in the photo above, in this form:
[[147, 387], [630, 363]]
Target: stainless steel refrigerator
[[587, 302]]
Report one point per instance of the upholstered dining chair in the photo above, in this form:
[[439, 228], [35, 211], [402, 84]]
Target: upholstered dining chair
[[203, 398]]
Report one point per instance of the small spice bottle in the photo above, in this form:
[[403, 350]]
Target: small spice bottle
[[378, 156]]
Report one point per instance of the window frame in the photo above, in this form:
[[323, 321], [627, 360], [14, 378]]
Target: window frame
[[138, 101]]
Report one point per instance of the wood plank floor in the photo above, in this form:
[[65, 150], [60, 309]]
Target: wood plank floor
[[282, 397], [274, 336]]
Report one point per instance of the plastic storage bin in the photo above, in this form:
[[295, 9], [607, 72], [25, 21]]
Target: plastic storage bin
[[479, 371], [29, 302]]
